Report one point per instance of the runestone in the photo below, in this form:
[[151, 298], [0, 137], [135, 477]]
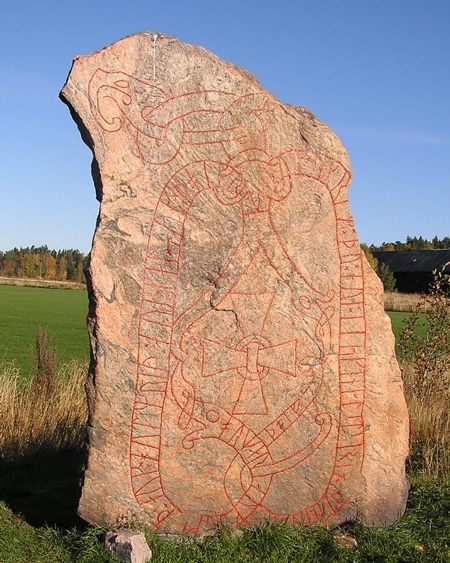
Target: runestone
[[243, 368]]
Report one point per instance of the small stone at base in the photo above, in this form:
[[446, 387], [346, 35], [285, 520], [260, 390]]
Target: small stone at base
[[128, 546]]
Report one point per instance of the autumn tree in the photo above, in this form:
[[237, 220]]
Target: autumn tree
[[40, 262], [382, 271]]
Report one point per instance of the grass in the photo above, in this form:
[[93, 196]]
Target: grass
[[398, 321], [21, 543], [399, 307], [422, 535], [38, 282], [63, 313], [401, 302], [41, 457], [41, 441], [429, 438]]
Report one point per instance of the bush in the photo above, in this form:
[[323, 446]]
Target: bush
[[425, 347], [429, 354]]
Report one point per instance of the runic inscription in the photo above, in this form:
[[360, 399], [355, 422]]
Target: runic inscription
[[248, 353], [244, 424]]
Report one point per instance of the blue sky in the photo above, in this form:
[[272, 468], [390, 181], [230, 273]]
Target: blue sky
[[376, 72]]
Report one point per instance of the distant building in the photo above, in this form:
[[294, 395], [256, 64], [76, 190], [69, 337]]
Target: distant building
[[413, 269]]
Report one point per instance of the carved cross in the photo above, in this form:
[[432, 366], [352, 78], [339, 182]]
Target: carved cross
[[252, 358]]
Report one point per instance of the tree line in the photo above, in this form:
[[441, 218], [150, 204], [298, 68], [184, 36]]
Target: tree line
[[43, 263], [413, 243]]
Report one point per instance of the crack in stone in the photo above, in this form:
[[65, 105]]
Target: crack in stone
[[224, 311]]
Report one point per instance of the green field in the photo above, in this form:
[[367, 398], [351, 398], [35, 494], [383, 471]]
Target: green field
[[61, 312], [398, 320]]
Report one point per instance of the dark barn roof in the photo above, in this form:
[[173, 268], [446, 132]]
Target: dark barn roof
[[414, 260], [413, 269]]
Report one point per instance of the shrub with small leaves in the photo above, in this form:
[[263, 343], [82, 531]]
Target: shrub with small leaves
[[429, 355]]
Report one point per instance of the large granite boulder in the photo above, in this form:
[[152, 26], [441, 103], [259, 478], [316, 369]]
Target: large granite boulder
[[243, 368]]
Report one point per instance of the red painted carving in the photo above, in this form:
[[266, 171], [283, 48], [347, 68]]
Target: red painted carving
[[212, 364], [252, 358]]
